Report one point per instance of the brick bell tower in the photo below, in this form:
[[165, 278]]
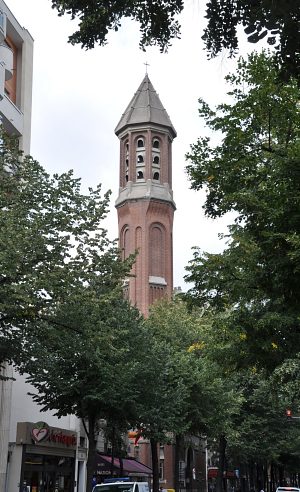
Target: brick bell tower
[[145, 203]]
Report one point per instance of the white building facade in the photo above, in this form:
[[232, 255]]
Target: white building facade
[[16, 68]]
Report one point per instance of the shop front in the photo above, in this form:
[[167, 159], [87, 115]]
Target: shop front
[[47, 458], [106, 467]]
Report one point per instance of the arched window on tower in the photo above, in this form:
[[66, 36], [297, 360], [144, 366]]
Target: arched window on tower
[[126, 170], [156, 159], [156, 176], [125, 242], [157, 250], [140, 158], [155, 143]]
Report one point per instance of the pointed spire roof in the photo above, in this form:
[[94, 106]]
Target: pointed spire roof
[[145, 107]]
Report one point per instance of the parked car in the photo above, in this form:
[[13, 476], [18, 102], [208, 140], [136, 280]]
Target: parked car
[[288, 489], [122, 485]]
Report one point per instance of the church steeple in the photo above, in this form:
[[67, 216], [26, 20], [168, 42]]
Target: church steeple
[[145, 107], [145, 203]]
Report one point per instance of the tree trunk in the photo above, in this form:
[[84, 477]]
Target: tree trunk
[[251, 476], [243, 478], [176, 464], [155, 469], [112, 452], [268, 467], [90, 466], [222, 450], [121, 465], [260, 481]]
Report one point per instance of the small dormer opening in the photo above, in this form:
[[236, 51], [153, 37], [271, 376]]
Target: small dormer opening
[[156, 159], [156, 176], [155, 143], [140, 158], [140, 175], [140, 143]]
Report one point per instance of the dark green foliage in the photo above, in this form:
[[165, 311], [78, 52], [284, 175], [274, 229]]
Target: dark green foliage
[[157, 19], [63, 319], [260, 432], [277, 19], [254, 172], [184, 391], [89, 373], [51, 243], [181, 389], [252, 287]]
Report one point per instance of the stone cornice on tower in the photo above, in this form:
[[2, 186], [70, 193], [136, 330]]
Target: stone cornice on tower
[[145, 191], [145, 108]]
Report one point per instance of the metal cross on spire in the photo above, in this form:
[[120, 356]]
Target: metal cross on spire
[[147, 65]]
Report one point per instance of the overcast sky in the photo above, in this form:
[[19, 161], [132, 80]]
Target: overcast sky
[[79, 97]]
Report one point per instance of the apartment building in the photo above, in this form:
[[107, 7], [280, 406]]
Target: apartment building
[[16, 68]]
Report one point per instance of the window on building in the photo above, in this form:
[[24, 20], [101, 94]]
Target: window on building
[[156, 159], [161, 452], [156, 176], [140, 175], [161, 469], [140, 142], [11, 84], [155, 144], [140, 159]]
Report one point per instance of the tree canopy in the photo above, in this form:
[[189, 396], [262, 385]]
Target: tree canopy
[[51, 243], [89, 373], [277, 20], [254, 172], [183, 391]]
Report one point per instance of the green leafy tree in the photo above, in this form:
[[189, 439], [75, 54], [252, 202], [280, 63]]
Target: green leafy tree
[[252, 286], [246, 424], [287, 377], [89, 372], [253, 172], [223, 395], [261, 436], [62, 317], [158, 24], [278, 20], [163, 390], [183, 391], [51, 242]]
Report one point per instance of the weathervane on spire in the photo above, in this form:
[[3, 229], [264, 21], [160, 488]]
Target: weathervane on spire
[[147, 65]]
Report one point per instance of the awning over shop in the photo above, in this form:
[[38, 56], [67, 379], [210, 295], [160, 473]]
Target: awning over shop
[[131, 467]]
